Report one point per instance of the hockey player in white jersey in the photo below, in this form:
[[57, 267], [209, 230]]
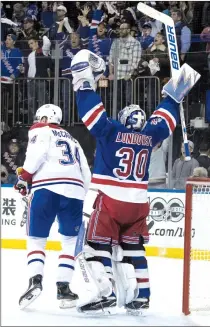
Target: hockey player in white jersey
[[58, 172], [112, 263]]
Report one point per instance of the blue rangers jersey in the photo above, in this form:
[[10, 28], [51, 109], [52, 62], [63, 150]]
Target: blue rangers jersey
[[122, 155]]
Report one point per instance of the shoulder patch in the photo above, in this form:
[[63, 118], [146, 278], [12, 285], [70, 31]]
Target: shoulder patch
[[155, 121], [33, 140]]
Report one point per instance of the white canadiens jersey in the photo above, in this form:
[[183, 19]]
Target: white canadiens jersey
[[56, 161]]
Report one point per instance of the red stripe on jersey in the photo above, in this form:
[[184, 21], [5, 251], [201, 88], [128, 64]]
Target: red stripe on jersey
[[58, 179], [168, 118], [40, 125], [142, 280], [94, 115], [65, 256], [116, 183], [36, 252]]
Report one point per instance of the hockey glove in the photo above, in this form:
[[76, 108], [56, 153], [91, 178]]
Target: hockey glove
[[181, 84], [21, 186], [23, 178], [87, 68]]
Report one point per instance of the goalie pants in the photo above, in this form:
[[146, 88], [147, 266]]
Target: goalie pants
[[115, 222]]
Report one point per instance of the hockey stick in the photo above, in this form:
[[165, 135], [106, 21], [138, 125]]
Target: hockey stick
[[173, 55]]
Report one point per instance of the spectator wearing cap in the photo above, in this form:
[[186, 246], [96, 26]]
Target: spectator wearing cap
[[183, 34], [183, 169], [60, 15], [11, 59], [155, 24], [146, 39], [39, 66], [203, 158], [27, 32], [128, 51]]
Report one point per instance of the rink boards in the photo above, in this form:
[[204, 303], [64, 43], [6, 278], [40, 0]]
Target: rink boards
[[165, 222]]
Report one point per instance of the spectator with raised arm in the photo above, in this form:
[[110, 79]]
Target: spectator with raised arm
[[59, 15], [70, 45]]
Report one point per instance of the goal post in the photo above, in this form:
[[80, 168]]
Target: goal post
[[196, 267]]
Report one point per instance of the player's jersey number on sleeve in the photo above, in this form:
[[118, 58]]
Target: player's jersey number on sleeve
[[131, 163]]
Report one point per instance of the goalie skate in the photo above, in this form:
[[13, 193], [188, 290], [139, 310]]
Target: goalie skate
[[33, 291], [104, 307], [138, 307]]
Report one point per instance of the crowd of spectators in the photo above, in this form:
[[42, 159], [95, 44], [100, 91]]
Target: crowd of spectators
[[131, 43]]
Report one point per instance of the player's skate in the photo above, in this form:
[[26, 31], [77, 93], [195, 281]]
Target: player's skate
[[66, 298], [33, 291], [137, 307], [103, 306]]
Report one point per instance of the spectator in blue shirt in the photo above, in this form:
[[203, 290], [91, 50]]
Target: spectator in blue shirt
[[183, 33], [11, 60], [146, 39]]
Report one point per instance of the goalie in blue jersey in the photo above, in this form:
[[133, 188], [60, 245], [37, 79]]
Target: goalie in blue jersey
[[114, 267]]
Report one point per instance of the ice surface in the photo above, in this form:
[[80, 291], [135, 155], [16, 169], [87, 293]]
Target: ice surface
[[165, 309]]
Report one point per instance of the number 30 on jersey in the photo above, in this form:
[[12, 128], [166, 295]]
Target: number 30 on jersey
[[131, 164]]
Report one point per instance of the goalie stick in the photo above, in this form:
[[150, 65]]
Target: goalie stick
[[173, 55]]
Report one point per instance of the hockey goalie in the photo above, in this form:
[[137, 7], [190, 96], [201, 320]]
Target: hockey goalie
[[111, 266]]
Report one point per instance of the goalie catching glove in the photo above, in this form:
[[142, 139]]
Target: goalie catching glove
[[87, 68]]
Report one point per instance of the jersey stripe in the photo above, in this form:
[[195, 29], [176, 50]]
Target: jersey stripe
[[118, 183], [170, 120], [57, 183], [93, 115], [58, 179]]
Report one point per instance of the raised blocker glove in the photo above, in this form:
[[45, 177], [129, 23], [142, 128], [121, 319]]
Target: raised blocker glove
[[86, 69]]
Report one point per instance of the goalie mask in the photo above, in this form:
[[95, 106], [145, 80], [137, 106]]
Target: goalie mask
[[132, 117]]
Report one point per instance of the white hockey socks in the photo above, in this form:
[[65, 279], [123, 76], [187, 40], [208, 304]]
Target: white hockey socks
[[66, 259], [36, 255]]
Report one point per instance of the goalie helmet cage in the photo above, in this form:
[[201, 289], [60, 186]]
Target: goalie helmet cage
[[196, 272]]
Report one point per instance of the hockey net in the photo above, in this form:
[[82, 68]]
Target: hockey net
[[196, 277]]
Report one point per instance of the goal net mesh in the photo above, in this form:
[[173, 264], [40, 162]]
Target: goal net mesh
[[199, 297]]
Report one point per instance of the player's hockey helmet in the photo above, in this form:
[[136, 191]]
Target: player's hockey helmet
[[132, 117], [52, 112]]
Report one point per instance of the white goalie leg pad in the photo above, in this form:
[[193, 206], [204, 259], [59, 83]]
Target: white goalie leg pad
[[90, 280], [125, 278]]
